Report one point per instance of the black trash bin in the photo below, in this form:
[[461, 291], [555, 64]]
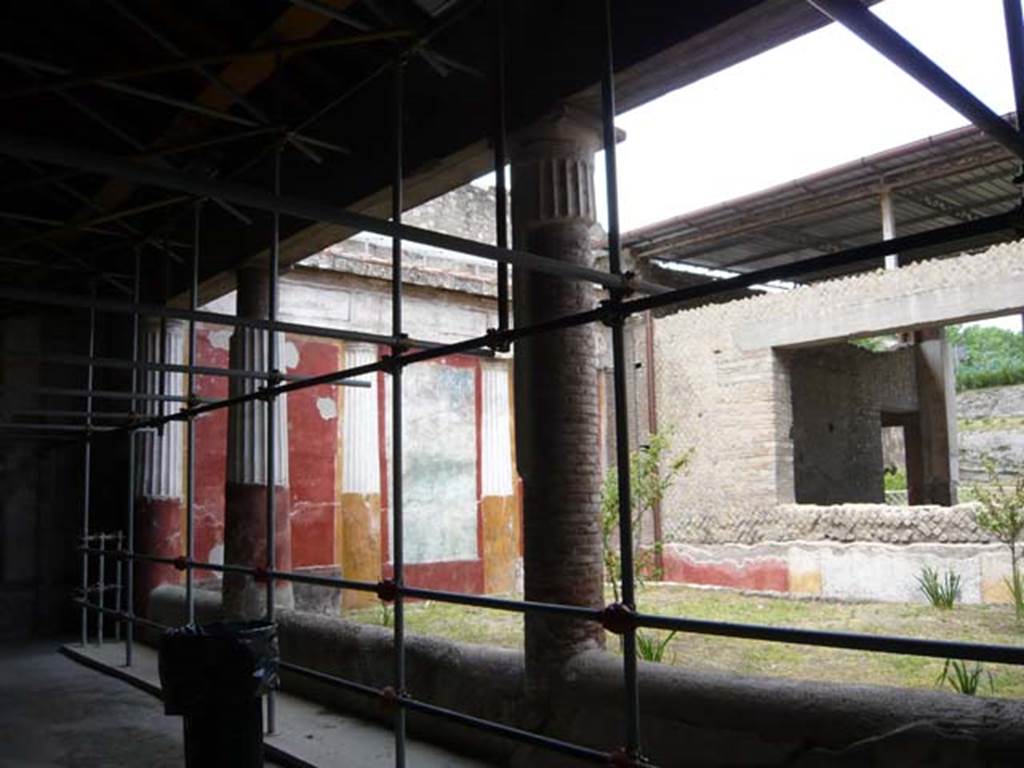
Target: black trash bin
[[214, 675]]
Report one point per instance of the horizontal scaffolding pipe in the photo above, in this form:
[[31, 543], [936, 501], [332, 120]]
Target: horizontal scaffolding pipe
[[102, 394], [201, 370], [74, 301], [604, 313], [1002, 654], [115, 415], [853, 15], [84, 428], [300, 208]]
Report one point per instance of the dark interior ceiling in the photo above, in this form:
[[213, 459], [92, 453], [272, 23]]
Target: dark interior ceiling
[[73, 73]]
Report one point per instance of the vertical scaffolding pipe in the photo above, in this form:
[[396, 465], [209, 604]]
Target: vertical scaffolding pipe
[[87, 466], [129, 634], [272, 270], [190, 424], [631, 687], [1015, 43], [101, 584], [118, 576], [397, 533], [500, 160]]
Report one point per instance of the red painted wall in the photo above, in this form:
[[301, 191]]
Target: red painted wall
[[313, 449], [211, 445], [312, 456]]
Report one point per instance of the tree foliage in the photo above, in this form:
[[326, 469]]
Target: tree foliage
[[990, 356]]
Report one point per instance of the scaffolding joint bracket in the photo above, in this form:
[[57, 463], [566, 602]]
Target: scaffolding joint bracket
[[618, 619], [497, 340], [612, 315], [387, 590]]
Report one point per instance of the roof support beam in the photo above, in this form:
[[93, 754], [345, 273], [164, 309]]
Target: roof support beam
[[300, 208], [887, 41]]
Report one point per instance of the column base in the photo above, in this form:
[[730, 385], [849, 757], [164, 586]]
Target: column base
[[157, 532]]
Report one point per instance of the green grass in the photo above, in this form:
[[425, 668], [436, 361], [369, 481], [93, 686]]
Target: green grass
[[982, 623]]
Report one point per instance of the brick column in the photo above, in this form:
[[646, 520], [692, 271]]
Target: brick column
[[159, 482], [245, 506], [556, 401]]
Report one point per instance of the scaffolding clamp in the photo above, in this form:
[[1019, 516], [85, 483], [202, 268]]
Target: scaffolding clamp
[[618, 619], [180, 563], [260, 575], [497, 340], [390, 699], [612, 315], [387, 590]]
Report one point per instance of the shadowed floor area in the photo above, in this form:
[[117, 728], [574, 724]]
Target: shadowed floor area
[[58, 713]]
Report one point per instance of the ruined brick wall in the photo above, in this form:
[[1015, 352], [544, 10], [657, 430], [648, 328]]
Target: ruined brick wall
[[723, 385], [838, 392]]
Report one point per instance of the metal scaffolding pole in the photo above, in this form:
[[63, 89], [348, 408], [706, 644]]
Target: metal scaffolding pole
[[200, 316], [853, 15], [252, 197], [501, 160], [87, 469], [190, 425], [397, 522], [631, 685], [129, 635], [271, 413]]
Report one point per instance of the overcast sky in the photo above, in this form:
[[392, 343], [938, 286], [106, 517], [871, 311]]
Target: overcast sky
[[819, 101]]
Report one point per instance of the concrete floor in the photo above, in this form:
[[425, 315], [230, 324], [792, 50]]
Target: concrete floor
[[57, 712]]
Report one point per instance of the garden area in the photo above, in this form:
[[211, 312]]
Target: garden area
[[989, 624], [980, 623]]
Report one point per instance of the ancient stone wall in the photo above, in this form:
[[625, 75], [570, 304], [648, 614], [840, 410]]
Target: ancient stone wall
[[723, 379]]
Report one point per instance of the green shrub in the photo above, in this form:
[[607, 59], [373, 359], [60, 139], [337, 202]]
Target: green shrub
[[941, 593], [651, 471], [650, 648], [895, 479], [964, 679], [990, 357], [1002, 515]]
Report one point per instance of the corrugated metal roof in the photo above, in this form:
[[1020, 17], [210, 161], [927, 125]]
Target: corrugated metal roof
[[946, 179]]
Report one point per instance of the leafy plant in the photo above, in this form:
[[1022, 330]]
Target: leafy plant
[[964, 679], [386, 614], [650, 647], [895, 479], [1002, 515], [941, 592], [651, 471], [989, 356]]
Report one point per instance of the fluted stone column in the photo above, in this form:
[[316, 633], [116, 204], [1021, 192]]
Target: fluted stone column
[[245, 508], [556, 400], [160, 461]]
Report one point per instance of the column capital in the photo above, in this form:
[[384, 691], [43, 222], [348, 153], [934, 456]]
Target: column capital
[[553, 169]]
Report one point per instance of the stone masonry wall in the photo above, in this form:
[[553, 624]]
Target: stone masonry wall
[[723, 386]]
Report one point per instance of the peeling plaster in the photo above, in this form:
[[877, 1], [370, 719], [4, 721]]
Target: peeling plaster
[[220, 339], [291, 355], [327, 407]]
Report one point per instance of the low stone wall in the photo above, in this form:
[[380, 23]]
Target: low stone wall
[[879, 523], [688, 718], [845, 551]]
